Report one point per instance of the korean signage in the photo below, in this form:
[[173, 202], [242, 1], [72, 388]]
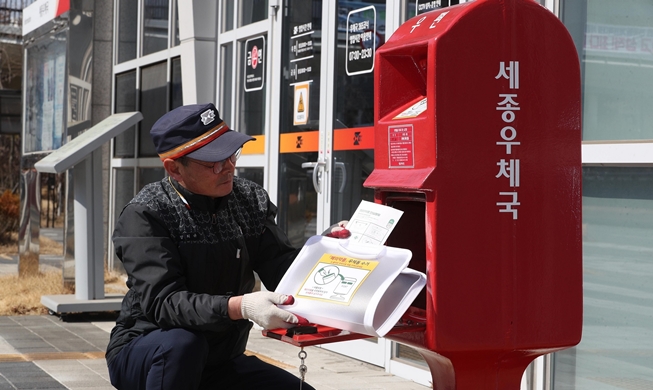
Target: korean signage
[[42, 11], [336, 279], [422, 6], [508, 141], [361, 41], [401, 146], [301, 52], [619, 40], [255, 64]]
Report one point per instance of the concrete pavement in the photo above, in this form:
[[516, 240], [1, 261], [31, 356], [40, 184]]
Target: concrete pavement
[[46, 352]]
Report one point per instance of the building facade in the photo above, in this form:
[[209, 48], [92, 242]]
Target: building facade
[[282, 71], [298, 76]]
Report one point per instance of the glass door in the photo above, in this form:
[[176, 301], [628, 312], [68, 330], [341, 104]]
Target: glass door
[[360, 30], [299, 161], [326, 121], [243, 82]]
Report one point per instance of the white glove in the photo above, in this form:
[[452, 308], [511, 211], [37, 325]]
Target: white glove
[[261, 307]]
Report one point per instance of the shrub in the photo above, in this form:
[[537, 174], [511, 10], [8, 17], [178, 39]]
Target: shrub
[[9, 213]]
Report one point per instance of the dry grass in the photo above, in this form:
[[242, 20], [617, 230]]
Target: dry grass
[[21, 295], [47, 246]]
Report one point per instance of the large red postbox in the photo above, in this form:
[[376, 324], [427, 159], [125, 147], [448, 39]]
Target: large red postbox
[[477, 140]]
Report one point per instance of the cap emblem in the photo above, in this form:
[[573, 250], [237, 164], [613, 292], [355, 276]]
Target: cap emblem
[[207, 116]]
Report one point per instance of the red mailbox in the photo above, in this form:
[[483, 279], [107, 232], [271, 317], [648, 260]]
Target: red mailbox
[[477, 140]]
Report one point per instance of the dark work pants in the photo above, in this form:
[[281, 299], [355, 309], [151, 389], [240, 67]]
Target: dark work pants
[[175, 359]]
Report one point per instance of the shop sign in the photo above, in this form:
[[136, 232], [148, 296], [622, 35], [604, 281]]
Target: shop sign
[[255, 64], [422, 6], [40, 12], [361, 41]]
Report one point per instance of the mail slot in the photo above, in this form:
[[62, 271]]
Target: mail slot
[[477, 140]]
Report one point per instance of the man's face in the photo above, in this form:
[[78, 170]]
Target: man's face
[[202, 180]]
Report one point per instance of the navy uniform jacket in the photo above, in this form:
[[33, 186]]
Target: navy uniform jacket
[[184, 264]]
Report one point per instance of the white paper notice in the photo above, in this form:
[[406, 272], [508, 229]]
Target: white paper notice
[[372, 223]]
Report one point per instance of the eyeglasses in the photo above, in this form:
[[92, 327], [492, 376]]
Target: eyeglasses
[[218, 166]]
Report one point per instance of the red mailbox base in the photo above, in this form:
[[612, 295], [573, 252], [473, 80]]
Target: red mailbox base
[[475, 371]]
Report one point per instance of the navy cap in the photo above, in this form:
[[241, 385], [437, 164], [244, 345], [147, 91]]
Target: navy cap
[[196, 131]]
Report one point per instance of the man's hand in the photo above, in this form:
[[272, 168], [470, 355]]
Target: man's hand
[[339, 230], [261, 307]]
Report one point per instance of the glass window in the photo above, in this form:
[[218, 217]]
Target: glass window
[[125, 102], [616, 351], [252, 11], [410, 354], [414, 8], [253, 86], [149, 175], [175, 38], [297, 199], [44, 93], [127, 29], [176, 95], [123, 192], [253, 174], [227, 80], [153, 104], [614, 41], [155, 26], [124, 189], [354, 102], [227, 15]]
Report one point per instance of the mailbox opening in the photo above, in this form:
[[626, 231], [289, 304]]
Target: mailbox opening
[[410, 233]]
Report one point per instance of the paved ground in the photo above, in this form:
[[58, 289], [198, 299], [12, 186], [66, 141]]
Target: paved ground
[[45, 352]]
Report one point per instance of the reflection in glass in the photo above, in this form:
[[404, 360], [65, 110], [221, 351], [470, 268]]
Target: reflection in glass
[[409, 354], [615, 46], [252, 11], [153, 105], [127, 29], [616, 350], [350, 170], [225, 103], [354, 102], [123, 192], [176, 96], [155, 26], [253, 174], [149, 175], [175, 37], [227, 16], [44, 93], [125, 102], [297, 197]]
